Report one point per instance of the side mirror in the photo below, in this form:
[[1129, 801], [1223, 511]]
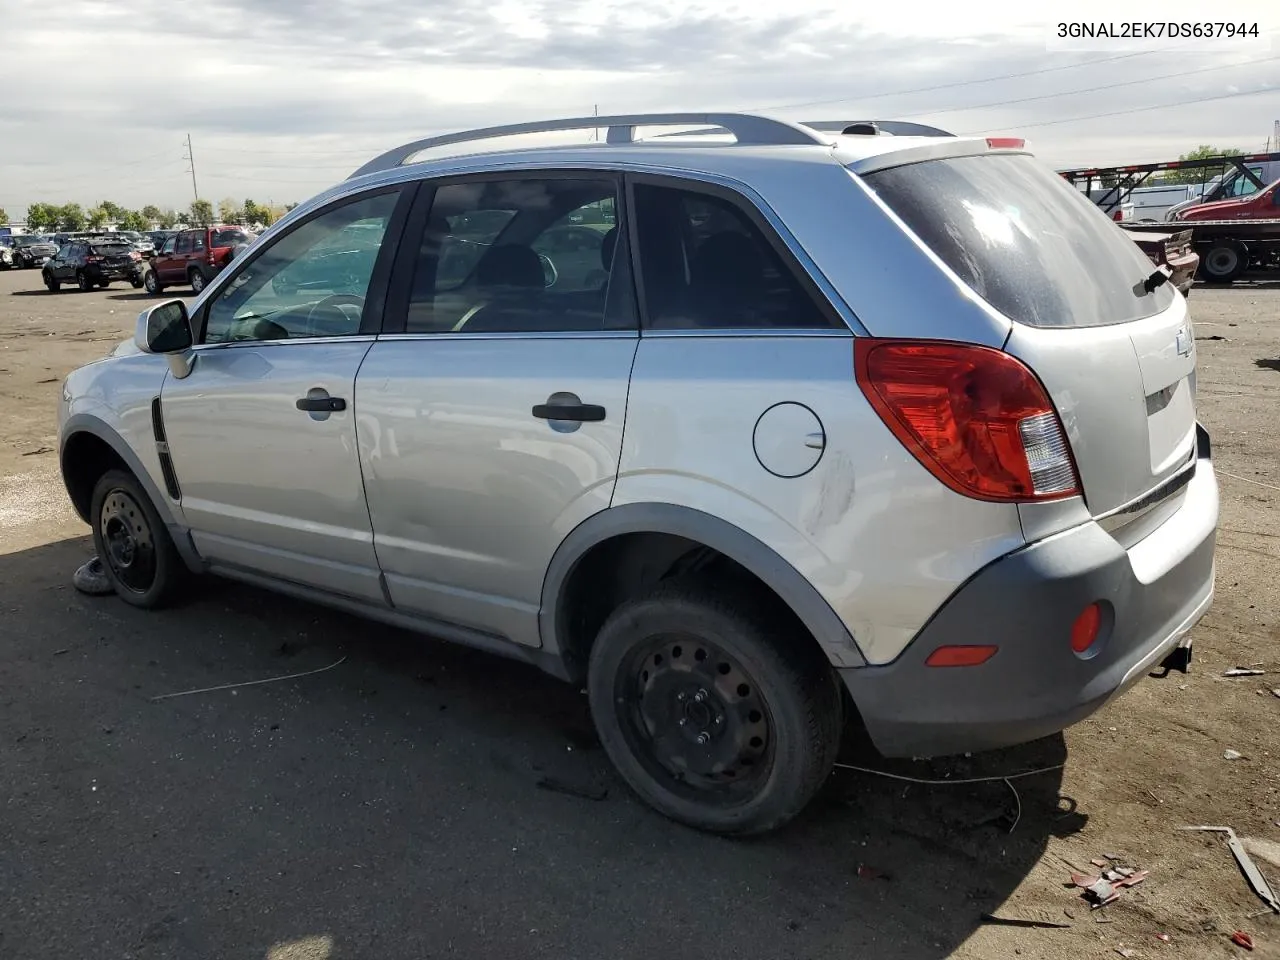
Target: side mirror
[[166, 329]]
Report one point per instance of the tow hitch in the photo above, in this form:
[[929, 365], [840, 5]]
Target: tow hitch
[[1179, 659]]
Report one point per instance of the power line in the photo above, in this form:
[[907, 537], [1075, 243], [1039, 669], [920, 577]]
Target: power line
[[1109, 86], [1121, 113], [959, 83]]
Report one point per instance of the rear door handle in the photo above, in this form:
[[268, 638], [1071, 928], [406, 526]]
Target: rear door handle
[[582, 412], [321, 404]]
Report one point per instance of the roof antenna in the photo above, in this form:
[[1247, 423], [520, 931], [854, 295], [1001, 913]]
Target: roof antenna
[[866, 129]]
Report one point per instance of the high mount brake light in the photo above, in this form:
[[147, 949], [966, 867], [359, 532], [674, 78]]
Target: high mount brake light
[[976, 418]]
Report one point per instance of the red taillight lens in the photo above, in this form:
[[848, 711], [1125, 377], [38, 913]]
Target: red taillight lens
[[1118, 216], [1005, 143], [976, 418], [960, 656], [93, 259], [1085, 630]]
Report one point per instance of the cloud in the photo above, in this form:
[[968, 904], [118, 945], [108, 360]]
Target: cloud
[[283, 97]]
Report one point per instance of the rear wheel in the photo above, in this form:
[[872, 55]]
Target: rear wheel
[[53, 285], [83, 281], [103, 284], [137, 552], [152, 282], [714, 706], [197, 281], [1224, 262], [135, 282]]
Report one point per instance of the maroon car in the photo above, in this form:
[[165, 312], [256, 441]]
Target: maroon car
[[194, 257]]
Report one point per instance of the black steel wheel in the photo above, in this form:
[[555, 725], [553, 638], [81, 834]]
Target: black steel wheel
[[130, 542], [133, 543], [694, 716], [715, 706]]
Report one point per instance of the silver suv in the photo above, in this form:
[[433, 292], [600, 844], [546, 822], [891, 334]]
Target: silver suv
[[754, 430]]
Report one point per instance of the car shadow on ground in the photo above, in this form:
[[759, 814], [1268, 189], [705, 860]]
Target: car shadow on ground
[[1268, 363], [419, 794]]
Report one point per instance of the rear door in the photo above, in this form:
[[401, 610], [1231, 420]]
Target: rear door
[[491, 422], [1117, 359]]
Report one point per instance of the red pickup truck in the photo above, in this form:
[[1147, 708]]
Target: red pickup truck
[[1263, 205]]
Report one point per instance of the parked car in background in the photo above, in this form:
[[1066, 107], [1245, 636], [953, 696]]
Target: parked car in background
[[6, 257], [158, 237], [29, 251], [1263, 205], [141, 242], [194, 257], [93, 263], [1232, 186]]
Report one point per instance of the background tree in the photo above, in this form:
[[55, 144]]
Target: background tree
[[167, 220], [1201, 174], [151, 213], [113, 211], [254, 214], [201, 213], [70, 218], [4, 216], [96, 217], [230, 211], [132, 220], [42, 217]]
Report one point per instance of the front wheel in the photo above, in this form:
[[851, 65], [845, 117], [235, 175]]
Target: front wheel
[[715, 706], [135, 283], [197, 281], [53, 285], [137, 552], [152, 283]]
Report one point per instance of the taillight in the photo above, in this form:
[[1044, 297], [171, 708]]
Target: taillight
[[93, 259], [976, 418], [1118, 215]]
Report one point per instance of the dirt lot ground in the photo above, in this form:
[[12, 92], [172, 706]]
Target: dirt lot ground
[[390, 807]]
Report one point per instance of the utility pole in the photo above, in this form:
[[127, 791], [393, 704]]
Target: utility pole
[[595, 112], [191, 158]]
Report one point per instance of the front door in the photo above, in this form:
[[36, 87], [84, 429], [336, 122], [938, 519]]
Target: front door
[[492, 425], [263, 431], [171, 264]]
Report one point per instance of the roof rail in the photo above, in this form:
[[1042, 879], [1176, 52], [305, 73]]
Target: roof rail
[[745, 127]]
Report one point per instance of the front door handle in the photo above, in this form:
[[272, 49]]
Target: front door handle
[[574, 409], [321, 404]]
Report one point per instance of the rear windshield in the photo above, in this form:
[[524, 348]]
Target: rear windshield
[[1024, 240], [229, 238], [111, 249]]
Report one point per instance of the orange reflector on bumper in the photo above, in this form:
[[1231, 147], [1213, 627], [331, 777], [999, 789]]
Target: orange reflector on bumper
[[966, 656]]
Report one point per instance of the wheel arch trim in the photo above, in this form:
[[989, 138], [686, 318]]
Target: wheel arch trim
[[88, 423], [736, 544]]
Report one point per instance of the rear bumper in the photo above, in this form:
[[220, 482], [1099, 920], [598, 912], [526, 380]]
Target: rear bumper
[[1026, 603]]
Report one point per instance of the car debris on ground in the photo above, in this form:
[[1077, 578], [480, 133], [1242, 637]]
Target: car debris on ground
[[1104, 887], [1256, 880], [91, 579]]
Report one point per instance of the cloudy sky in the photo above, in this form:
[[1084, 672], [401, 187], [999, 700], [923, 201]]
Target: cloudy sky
[[284, 97]]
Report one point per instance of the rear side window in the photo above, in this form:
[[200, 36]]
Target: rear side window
[[1024, 240], [184, 243], [229, 238], [706, 264]]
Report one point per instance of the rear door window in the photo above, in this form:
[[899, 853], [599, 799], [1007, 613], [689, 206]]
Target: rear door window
[[1031, 245], [707, 264]]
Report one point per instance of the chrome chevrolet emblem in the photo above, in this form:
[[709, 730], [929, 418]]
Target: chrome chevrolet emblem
[[1183, 342]]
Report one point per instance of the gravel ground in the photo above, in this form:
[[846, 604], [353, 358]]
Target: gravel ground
[[391, 806]]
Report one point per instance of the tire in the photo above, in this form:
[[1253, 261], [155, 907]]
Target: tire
[[83, 281], [196, 277], [1224, 262], [103, 284], [137, 552], [135, 283], [151, 281], [53, 285], [667, 665]]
